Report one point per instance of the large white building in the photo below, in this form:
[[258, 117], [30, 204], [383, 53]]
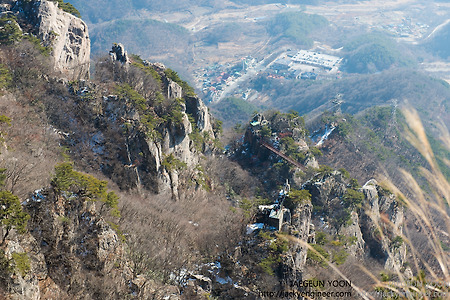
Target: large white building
[[328, 62]]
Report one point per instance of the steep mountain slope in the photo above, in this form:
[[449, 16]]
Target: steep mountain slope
[[437, 43], [323, 207], [374, 142], [140, 125], [172, 223], [136, 141], [68, 253]]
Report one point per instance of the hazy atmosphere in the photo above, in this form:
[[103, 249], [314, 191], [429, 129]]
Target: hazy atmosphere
[[232, 149]]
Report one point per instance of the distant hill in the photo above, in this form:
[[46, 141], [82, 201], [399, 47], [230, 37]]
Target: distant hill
[[97, 11], [428, 95], [295, 26], [144, 37], [439, 42], [373, 52]]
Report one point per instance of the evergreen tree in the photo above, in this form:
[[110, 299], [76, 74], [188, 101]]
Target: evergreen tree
[[11, 214]]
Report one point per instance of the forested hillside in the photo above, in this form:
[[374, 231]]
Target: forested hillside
[[99, 11], [139, 34], [363, 91], [374, 52], [296, 27], [438, 43]]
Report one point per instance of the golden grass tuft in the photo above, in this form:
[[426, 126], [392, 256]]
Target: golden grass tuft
[[430, 210]]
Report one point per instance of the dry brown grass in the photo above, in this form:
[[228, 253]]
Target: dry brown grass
[[430, 263], [430, 211]]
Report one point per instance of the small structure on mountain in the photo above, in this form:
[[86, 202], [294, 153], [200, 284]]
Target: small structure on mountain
[[275, 215]]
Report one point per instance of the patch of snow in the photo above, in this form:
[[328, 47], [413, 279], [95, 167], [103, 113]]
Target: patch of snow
[[253, 227], [264, 207], [193, 223], [84, 90], [224, 280], [328, 131], [37, 196], [179, 278]]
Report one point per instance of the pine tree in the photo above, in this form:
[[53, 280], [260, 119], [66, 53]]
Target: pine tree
[[11, 214]]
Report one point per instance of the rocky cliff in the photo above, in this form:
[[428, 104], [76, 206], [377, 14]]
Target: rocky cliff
[[382, 225], [284, 134], [142, 127], [343, 222], [66, 34], [302, 228], [144, 130], [370, 215], [70, 252]]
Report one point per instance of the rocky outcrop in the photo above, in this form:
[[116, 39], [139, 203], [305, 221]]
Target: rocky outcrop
[[83, 256], [197, 108], [273, 130], [71, 252], [375, 229], [353, 230], [327, 192], [66, 34], [176, 141], [118, 53], [327, 188], [34, 283], [174, 90], [170, 141], [303, 229], [382, 226]]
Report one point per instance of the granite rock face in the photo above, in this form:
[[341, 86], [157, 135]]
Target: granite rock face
[[175, 140], [302, 229], [66, 34], [375, 229], [118, 53], [382, 225], [70, 250]]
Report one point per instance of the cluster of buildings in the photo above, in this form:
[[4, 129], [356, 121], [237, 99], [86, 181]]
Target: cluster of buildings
[[407, 28], [215, 78], [305, 64]]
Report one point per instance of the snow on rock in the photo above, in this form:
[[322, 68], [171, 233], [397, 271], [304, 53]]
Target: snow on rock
[[252, 227], [37, 196], [328, 131]]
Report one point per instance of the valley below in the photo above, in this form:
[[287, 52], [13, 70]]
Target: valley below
[[235, 149]]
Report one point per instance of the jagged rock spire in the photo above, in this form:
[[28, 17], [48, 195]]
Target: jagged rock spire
[[118, 53]]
